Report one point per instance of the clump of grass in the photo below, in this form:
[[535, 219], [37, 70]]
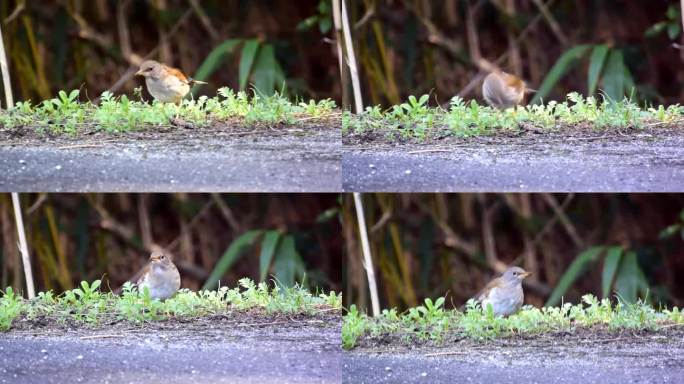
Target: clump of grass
[[88, 305], [414, 119], [431, 322], [65, 114]]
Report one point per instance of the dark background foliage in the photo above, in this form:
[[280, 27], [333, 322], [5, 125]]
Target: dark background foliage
[[70, 44], [429, 245], [414, 47], [74, 237]]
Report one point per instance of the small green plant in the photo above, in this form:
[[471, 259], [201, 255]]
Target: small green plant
[[10, 308], [88, 305], [65, 114], [353, 327], [431, 322], [414, 119]]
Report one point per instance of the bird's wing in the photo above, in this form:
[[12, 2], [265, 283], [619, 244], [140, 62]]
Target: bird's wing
[[180, 75], [483, 293], [139, 277]]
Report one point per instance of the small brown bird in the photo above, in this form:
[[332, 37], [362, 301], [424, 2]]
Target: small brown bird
[[160, 276], [166, 84], [502, 90], [504, 293]]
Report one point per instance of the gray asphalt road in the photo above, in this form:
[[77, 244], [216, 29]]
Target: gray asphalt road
[[308, 163], [642, 362], [636, 164], [269, 355]]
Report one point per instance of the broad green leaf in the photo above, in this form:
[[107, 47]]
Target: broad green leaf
[[268, 248], [267, 73], [673, 30], [598, 58], [215, 59], [630, 279], [230, 256], [562, 66], [610, 266], [614, 76], [581, 263], [249, 52], [288, 263]]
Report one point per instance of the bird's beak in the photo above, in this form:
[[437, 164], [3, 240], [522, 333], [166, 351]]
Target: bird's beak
[[525, 274], [139, 73], [530, 90]]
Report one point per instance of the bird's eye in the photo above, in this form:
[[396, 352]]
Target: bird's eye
[[162, 257]]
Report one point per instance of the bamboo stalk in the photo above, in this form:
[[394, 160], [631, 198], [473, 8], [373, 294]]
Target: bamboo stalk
[[367, 259], [344, 75], [23, 247], [9, 100], [351, 59]]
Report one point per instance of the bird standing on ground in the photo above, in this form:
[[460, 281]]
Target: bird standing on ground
[[166, 84], [504, 293], [503, 90], [160, 276]]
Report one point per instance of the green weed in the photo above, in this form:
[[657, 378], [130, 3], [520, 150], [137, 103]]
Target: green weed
[[414, 119], [65, 114], [431, 322], [88, 305]]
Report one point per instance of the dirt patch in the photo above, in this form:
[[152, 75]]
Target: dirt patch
[[648, 160], [398, 342], [246, 347], [217, 158], [229, 129], [583, 356], [383, 138]]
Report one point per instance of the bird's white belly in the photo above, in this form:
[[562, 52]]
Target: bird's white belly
[[169, 91], [502, 304], [159, 288]]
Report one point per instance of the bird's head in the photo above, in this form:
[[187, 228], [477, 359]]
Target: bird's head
[[150, 68], [515, 274], [158, 258]]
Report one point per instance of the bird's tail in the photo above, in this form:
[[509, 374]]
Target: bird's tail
[[193, 81]]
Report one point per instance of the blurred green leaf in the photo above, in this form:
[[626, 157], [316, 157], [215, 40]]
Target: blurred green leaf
[[614, 76], [327, 215], [230, 256], [672, 12], [583, 261], [566, 62], [249, 52], [268, 75], [630, 280], [215, 59], [673, 30], [268, 248], [288, 265], [610, 266], [598, 58], [669, 231], [656, 29]]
